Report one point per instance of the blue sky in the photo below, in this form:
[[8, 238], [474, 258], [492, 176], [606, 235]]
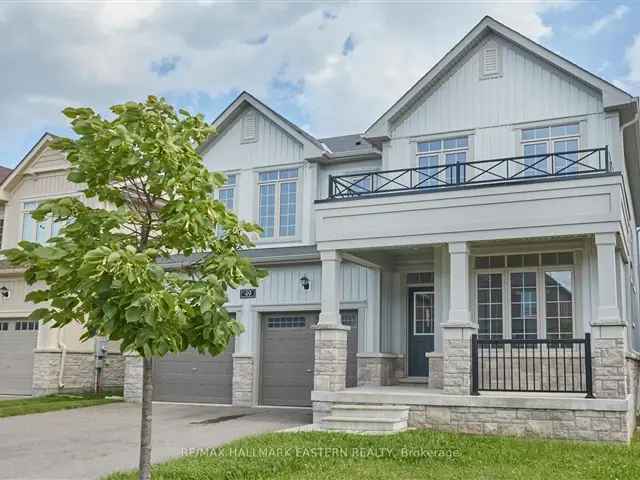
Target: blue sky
[[331, 68]]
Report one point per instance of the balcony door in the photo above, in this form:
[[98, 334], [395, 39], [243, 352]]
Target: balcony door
[[421, 329]]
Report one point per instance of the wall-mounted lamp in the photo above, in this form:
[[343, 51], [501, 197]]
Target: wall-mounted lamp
[[4, 292], [304, 281]]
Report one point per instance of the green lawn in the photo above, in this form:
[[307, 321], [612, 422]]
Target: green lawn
[[50, 403], [419, 454]]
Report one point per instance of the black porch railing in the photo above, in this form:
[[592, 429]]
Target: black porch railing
[[579, 162], [532, 365]]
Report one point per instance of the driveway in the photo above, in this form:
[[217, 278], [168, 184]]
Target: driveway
[[88, 443]]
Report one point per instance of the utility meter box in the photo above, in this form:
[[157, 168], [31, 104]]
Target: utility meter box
[[101, 351]]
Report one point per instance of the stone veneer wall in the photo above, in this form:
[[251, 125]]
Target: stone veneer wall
[[132, 378], [330, 357], [568, 424], [79, 374], [610, 426], [379, 368], [242, 380], [609, 368]]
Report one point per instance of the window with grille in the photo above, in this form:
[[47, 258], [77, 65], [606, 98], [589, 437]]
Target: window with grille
[[287, 322], [277, 207], [26, 325], [539, 142], [4, 326], [437, 161], [420, 278]]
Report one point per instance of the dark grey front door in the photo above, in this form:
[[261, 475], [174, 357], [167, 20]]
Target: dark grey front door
[[421, 329], [350, 319]]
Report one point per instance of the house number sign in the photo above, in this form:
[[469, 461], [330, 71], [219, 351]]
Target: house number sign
[[247, 293]]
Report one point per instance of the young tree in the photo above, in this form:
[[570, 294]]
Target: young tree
[[148, 196]]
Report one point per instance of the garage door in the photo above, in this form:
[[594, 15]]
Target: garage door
[[18, 339], [287, 357], [192, 377]]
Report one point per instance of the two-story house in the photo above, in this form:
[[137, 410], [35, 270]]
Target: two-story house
[[468, 263], [38, 359]]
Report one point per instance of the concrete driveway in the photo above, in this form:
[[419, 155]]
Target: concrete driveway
[[88, 443]]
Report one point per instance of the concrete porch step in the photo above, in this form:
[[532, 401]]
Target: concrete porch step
[[414, 380], [389, 412], [363, 424]]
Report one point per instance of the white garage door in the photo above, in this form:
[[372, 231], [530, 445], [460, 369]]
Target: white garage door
[[18, 339]]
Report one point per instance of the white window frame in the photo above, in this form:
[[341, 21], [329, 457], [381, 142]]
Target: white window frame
[[433, 320], [550, 141], [541, 321], [230, 186], [441, 155], [299, 180]]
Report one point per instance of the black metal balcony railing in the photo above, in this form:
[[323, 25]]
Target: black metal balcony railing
[[579, 162], [536, 365]]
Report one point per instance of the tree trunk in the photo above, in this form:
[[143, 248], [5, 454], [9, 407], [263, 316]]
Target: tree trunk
[[145, 425]]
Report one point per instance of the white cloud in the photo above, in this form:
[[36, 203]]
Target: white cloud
[[100, 54], [616, 14]]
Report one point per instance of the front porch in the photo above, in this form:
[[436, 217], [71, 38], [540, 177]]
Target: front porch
[[507, 337], [564, 416]]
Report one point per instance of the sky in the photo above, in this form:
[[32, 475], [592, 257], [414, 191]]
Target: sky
[[330, 67]]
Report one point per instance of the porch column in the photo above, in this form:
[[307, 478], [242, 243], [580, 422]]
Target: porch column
[[609, 332], [330, 367], [243, 358], [457, 331]]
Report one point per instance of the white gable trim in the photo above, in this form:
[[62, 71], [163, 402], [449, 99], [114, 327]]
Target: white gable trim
[[311, 147], [611, 95], [27, 160]]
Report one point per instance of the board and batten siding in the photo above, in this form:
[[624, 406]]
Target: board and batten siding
[[493, 110], [282, 285]]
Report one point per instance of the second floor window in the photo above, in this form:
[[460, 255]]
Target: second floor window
[[278, 197], [440, 159], [227, 193], [34, 231], [539, 142]]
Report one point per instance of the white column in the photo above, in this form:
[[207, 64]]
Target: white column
[[459, 284], [608, 308], [331, 288], [609, 342], [372, 328]]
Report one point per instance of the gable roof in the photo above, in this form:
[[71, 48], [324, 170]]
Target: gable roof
[[14, 175], [612, 96], [4, 173], [312, 147]]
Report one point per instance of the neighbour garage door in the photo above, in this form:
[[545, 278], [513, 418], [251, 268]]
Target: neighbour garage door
[[287, 358], [18, 339], [192, 377]]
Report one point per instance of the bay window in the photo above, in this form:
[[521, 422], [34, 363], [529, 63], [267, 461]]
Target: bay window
[[525, 296], [277, 203]]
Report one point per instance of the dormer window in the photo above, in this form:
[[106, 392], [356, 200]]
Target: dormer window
[[250, 127], [490, 60]]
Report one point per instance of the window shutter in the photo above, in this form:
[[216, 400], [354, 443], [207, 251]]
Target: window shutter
[[250, 127]]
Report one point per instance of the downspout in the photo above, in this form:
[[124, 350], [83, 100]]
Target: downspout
[[635, 117], [63, 354]]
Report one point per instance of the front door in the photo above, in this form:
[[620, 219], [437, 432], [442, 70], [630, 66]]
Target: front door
[[421, 330]]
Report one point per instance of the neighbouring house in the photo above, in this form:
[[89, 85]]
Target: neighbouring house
[[36, 359]]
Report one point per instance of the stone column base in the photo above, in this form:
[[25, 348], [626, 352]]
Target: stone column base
[[608, 350], [378, 368], [457, 357], [132, 378], [243, 367], [436, 369], [46, 368], [330, 357]]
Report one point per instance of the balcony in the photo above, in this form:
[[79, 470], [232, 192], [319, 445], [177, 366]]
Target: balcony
[[497, 171]]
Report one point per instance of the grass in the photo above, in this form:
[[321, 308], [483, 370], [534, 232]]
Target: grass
[[50, 403], [418, 454]]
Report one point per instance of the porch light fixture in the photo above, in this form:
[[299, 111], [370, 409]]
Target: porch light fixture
[[304, 281], [4, 292]]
